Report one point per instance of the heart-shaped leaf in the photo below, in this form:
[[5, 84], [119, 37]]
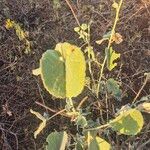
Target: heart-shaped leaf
[[99, 144], [63, 70], [129, 122], [57, 141]]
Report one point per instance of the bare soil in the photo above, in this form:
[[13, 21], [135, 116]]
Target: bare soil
[[46, 26]]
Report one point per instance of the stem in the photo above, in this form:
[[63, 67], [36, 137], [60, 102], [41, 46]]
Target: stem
[[100, 77], [54, 111], [97, 128], [71, 104], [68, 3], [82, 101], [88, 39], [59, 112], [88, 139], [108, 47], [140, 90], [46, 107]]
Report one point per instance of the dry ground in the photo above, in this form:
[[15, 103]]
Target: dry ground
[[47, 26]]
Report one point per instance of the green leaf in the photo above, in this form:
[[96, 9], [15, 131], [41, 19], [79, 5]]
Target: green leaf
[[107, 35], [81, 121], [57, 141], [79, 146], [53, 73], [129, 122], [113, 88], [63, 70], [99, 144], [111, 57]]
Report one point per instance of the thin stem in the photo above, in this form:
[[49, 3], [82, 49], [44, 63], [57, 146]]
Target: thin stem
[[59, 112], [97, 128], [82, 101], [68, 3], [71, 104], [88, 139], [46, 107], [138, 94], [89, 54], [54, 111], [100, 77], [109, 44]]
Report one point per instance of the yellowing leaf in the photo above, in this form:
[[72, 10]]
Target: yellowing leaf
[[101, 41], [56, 4], [42, 124], [84, 26], [36, 72], [57, 141], [145, 107], [117, 38], [63, 70], [65, 49], [75, 72], [111, 57], [28, 47], [147, 76], [99, 144], [9, 24], [21, 34], [81, 30], [77, 29], [115, 5], [89, 50], [129, 122]]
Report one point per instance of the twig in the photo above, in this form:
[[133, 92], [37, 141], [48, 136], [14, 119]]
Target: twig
[[82, 101], [68, 3], [59, 112], [97, 128], [134, 14], [41, 96], [9, 66], [52, 110], [138, 94]]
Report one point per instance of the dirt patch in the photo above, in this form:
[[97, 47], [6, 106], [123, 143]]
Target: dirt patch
[[19, 90]]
